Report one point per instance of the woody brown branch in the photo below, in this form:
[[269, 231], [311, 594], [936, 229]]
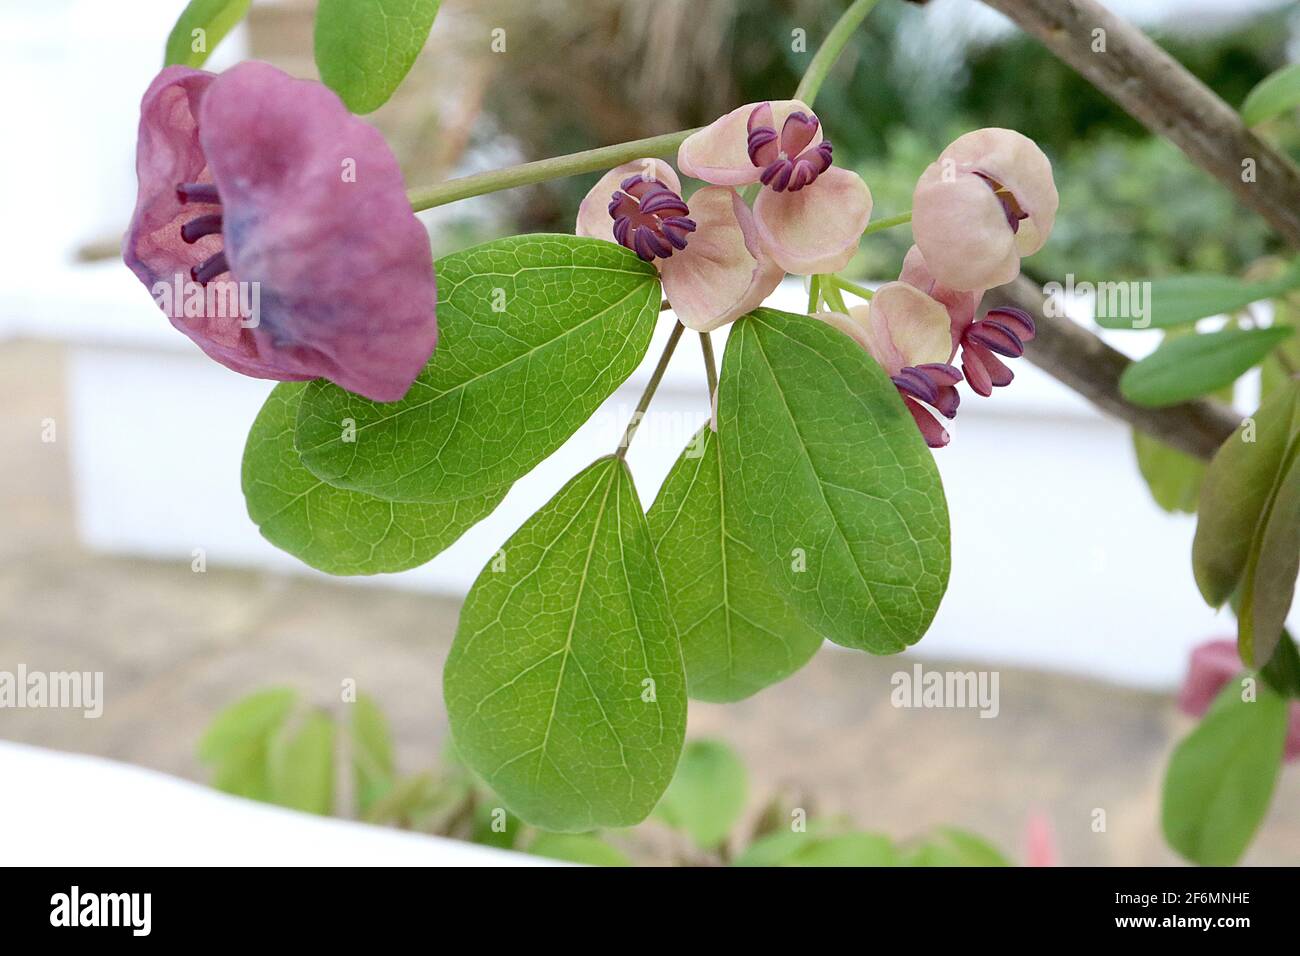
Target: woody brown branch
[[1160, 93]]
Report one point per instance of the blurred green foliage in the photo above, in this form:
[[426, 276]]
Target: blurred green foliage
[[910, 82]]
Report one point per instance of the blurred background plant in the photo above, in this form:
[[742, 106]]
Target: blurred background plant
[[273, 747]]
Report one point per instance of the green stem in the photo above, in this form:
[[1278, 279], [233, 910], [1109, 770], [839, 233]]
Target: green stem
[[832, 295], [881, 225], [587, 161], [710, 366], [814, 293], [831, 49], [655, 378], [861, 292]]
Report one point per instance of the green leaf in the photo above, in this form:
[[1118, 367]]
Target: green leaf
[[1273, 95], [1173, 476], [738, 636], [564, 686], [1220, 778], [365, 48], [1193, 365], [372, 753], [506, 385], [301, 766], [1283, 669], [1180, 300], [830, 481], [1272, 564], [493, 826], [237, 741], [577, 848], [813, 848], [332, 529], [952, 847], [213, 19], [1238, 485], [707, 794]]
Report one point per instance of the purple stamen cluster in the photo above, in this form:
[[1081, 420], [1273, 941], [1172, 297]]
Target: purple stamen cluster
[[933, 384], [1010, 207], [787, 161], [203, 225], [1003, 331], [649, 218]]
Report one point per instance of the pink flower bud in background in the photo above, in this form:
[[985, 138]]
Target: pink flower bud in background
[[253, 177], [987, 201], [1213, 664]]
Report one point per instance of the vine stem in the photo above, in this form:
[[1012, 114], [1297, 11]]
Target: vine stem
[[587, 161], [710, 365], [655, 378], [890, 223], [831, 49]]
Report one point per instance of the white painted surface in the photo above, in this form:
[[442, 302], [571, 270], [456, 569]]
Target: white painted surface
[[61, 809]]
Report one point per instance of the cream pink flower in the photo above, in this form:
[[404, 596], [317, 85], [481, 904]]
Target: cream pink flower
[[810, 215], [987, 201], [713, 266], [1003, 331], [908, 333]]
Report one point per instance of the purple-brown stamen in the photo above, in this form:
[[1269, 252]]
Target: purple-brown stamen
[[208, 224], [649, 218], [933, 383], [1004, 331], [197, 228], [1010, 207], [787, 162]]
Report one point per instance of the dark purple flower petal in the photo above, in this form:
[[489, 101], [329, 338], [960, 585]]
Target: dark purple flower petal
[[314, 213]]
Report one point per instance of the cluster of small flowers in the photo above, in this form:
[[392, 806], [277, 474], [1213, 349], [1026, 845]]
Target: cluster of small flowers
[[245, 175], [988, 200]]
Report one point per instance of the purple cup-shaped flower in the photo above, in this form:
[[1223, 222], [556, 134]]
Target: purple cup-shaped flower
[[265, 189]]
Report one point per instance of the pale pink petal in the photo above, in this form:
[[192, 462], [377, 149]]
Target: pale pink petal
[[815, 229], [719, 153], [854, 326], [961, 229], [723, 272], [1014, 160], [959, 221], [961, 306], [906, 327], [594, 219]]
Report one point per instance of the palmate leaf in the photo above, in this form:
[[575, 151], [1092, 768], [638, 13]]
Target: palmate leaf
[[564, 685], [1272, 563], [738, 635], [332, 529], [534, 333], [1220, 779], [365, 48], [300, 765], [830, 481]]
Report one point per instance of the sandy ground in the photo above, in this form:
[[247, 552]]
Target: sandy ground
[[176, 646]]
